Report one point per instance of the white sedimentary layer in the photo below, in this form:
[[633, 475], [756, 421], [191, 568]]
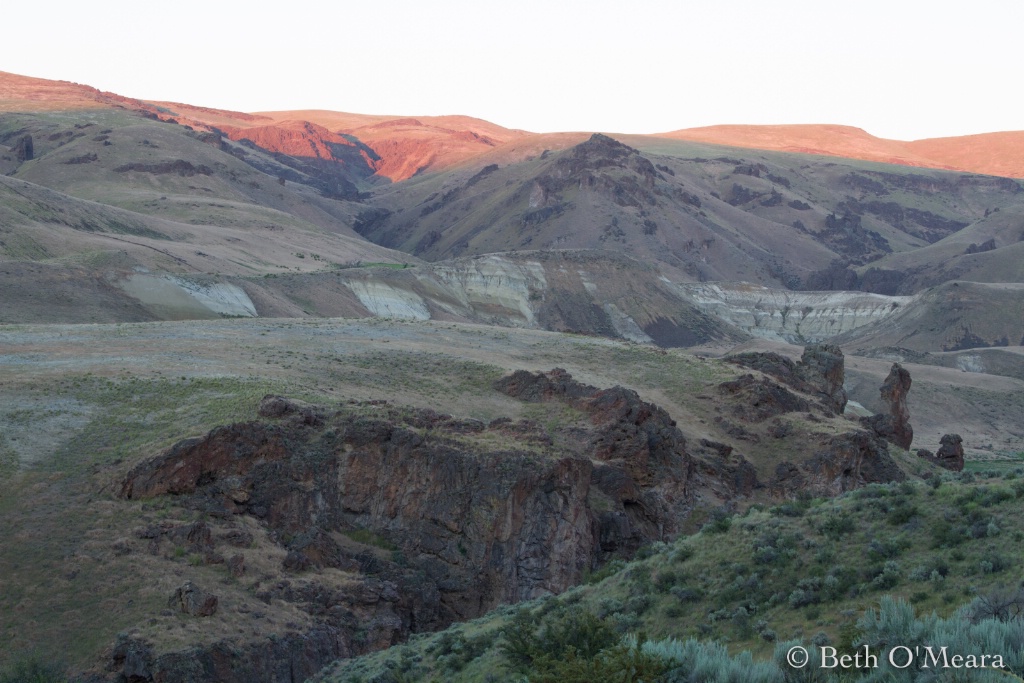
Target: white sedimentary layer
[[186, 297], [219, 297], [970, 363], [385, 301], [625, 326], [491, 282], [794, 317]]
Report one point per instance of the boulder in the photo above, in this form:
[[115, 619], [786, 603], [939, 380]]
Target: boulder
[[191, 599], [951, 452]]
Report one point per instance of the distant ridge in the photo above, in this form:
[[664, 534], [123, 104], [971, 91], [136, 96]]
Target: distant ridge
[[399, 147], [1000, 154]]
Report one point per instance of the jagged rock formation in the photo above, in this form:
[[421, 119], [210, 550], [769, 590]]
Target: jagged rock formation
[[758, 400], [842, 462], [895, 424], [820, 372], [639, 436], [950, 455], [290, 657], [823, 368], [477, 514], [639, 456]]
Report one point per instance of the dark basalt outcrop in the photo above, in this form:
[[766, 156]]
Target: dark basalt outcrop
[[603, 165], [894, 424], [758, 400], [820, 372], [476, 514], [23, 149], [286, 658], [843, 462], [849, 461], [950, 454], [193, 600], [637, 436]]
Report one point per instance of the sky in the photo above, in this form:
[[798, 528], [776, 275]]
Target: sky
[[902, 69]]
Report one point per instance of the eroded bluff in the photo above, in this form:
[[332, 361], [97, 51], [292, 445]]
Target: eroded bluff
[[473, 515]]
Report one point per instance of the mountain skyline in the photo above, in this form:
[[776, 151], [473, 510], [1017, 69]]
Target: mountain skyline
[[406, 144], [903, 71]]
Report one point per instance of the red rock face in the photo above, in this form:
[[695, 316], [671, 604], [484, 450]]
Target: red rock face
[[294, 138]]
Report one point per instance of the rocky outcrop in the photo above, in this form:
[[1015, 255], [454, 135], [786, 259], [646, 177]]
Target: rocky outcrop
[[823, 368], [194, 601], [951, 452], [639, 459], [23, 149], [894, 424], [950, 455], [628, 431], [289, 657], [487, 526], [474, 515], [820, 372], [849, 461], [758, 400], [987, 245]]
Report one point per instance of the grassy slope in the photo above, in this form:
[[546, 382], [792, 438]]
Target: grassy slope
[[240, 219]]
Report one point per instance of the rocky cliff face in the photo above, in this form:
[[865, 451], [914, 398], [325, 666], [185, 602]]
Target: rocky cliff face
[[475, 515]]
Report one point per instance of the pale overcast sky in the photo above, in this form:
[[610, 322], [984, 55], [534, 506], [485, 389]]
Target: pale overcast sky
[[897, 68]]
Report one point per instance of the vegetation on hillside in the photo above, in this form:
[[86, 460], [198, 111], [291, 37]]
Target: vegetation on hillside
[[920, 564]]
